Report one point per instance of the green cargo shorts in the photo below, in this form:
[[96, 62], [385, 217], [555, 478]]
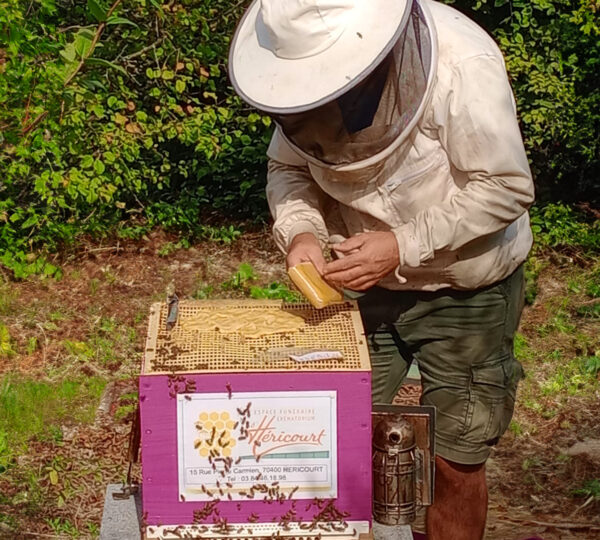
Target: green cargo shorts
[[462, 342]]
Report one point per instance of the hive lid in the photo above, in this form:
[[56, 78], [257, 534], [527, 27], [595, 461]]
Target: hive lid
[[334, 335]]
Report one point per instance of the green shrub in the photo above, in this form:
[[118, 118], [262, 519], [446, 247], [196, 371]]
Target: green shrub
[[552, 51], [122, 116], [558, 225], [275, 291], [119, 118]]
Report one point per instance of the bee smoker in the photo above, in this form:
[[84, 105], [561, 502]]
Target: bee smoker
[[394, 471], [403, 462]]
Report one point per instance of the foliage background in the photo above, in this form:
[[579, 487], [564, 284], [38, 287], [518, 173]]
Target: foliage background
[[116, 118]]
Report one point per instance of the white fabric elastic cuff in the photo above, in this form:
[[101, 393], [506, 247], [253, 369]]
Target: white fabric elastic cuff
[[408, 245], [408, 249]]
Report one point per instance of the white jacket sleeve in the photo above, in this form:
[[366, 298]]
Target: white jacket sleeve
[[296, 201], [477, 126]]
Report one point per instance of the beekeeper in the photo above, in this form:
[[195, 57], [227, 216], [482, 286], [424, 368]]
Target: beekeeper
[[397, 141]]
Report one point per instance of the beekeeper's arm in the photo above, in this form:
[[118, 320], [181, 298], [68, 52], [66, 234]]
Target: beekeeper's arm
[[297, 205], [477, 125], [476, 122]]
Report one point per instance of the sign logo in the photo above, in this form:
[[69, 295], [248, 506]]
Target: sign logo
[[215, 430], [266, 437]]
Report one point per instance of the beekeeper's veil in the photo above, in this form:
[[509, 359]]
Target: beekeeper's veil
[[344, 80]]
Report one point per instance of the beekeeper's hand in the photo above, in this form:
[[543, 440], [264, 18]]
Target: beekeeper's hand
[[305, 248], [367, 258]]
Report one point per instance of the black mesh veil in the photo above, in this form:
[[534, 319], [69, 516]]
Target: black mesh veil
[[372, 115]]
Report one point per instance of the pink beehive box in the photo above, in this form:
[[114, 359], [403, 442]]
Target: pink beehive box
[[248, 435]]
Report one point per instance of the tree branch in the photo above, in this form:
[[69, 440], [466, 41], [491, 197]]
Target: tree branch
[[34, 123], [95, 40], [142, 51]]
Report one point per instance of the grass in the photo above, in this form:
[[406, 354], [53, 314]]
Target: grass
[[240, 283], [111, 342], [203, 291], [591, 488], [105, 347], [533, 268], [32, 408], [127, 405], [8, 295], [560, 351], [6, 342], [62, 526], [168, 248]]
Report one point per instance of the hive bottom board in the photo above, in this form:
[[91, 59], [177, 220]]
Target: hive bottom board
[[270, 532]]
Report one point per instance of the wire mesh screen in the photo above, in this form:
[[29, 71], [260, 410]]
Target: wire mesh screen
[[328, 339]]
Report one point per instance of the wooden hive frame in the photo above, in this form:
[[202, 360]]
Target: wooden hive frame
[[336, 327]]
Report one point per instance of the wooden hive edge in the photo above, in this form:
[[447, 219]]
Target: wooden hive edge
[[312, 536], [151, 338], [363, 349]]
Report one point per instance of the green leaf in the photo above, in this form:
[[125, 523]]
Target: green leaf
[[97, 10], [53, 477], [98, 110], [105, 63], [246, 272], [30, 221], [179, 86], [68, 53], [113, 19], [99, 167], [86, 162], [82, 43], [167, 75]]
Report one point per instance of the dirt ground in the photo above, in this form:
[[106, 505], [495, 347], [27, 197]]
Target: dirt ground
[[530, 483]]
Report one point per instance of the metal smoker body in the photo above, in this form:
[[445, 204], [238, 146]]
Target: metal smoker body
[[403, 462], [394, 490]]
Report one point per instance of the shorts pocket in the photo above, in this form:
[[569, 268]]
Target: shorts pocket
[[489, 375], [491, 402]]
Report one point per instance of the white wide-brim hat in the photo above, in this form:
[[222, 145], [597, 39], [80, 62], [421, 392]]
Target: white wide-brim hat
[[289, 56]]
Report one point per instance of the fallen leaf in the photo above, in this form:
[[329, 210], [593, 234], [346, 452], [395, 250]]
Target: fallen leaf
[[132, 127]]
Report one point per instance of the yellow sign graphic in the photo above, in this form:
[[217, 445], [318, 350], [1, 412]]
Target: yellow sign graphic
[[215, 429]]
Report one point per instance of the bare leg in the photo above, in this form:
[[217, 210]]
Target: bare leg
[[460, 504]]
